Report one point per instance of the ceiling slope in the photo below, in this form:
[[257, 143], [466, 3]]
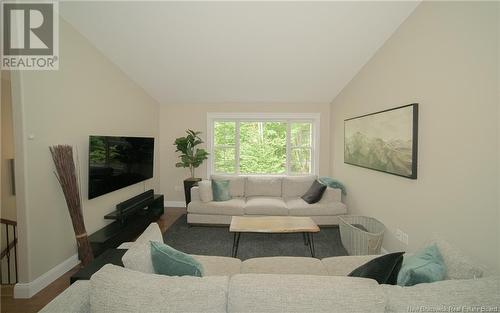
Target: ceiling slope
[[238, 52]]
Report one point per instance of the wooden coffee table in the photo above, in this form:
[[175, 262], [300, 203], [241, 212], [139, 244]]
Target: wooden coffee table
[[273, 224]]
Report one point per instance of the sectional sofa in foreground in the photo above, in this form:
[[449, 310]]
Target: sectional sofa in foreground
[[273, 284]]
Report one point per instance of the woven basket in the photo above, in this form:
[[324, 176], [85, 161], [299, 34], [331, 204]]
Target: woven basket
[[357, 241]]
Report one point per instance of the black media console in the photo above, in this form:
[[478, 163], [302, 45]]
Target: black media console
[[131, 217]]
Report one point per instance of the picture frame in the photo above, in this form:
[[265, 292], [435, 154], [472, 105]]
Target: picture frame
[[384, 141]]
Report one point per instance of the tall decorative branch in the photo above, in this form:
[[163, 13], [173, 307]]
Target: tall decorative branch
[[66, 175]]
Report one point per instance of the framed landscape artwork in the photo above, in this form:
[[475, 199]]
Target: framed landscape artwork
[[384, 141]]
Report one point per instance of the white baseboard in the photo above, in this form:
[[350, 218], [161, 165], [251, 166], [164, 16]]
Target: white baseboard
[[28, 290], [175, 204]]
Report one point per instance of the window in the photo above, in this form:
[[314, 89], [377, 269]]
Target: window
[[263, 143]]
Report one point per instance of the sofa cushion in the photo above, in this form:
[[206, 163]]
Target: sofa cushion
[[283, 265], [231, 207], [265, 206], [236, 184], [263, 186], [151, 233], [75, 299], [138, 256], [205, 191], [458, 265], [343, 265], [116, 289], [303, 293], [462, 295], [125, 245], [218, 265], [331, 195], [298, 207], [296, 186]]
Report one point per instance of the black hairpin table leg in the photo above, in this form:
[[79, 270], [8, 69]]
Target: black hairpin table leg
[[310, 237], [236, 242]]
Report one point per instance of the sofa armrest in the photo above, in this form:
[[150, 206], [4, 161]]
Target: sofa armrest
[[331, 195], [195, 193], [75, 299]]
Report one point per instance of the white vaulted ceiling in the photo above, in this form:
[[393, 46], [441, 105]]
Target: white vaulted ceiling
[[238, 52]]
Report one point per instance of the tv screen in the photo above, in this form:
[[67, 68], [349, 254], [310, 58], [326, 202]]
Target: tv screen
[[117, 162]]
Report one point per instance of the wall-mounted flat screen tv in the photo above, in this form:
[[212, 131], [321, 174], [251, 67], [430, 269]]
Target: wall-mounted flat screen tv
[[117, 162]]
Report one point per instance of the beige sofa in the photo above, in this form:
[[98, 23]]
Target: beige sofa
[[266, 195], [276, 284]]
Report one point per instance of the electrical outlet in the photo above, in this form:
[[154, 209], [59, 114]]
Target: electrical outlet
[[405, 238], [401, 236], [178, 188]]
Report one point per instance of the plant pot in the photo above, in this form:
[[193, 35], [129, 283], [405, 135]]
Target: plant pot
[[188, 184]]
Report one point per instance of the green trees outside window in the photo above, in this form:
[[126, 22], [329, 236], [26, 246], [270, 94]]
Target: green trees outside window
[[262, 147]]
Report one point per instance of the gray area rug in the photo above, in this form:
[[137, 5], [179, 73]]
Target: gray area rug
[[207, 240]]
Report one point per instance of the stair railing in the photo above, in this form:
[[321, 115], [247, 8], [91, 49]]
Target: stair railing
[[8, 260]]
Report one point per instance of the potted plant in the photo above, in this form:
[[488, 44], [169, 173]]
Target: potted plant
[[191, 157]]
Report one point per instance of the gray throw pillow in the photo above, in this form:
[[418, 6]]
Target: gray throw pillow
[[383, 269], [314, 193]]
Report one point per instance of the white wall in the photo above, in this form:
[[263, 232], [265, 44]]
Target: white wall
[[498, 120], [176, 119], [445, 57], [8, 200], [87, 95]]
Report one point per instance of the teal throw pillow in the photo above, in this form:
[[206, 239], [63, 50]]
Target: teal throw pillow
[[168, 261], [425, 266], [220, 190]]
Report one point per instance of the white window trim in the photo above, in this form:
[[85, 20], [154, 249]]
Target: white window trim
[[295, 117]]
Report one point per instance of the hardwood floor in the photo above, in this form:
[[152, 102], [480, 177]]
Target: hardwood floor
[[10, 305]]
